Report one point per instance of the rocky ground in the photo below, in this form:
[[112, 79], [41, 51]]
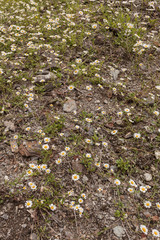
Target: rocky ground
[[79, 120]]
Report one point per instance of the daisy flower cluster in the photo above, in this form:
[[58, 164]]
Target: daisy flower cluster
[[155, 232], [40, 167], [77, 205]]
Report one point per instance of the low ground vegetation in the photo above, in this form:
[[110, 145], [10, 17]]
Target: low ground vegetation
[[79, 120]]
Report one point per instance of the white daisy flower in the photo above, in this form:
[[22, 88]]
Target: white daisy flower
[[78, 60], [45, 146], [131, 190], [132, 183], [83, 195], [63, 153], [58, 161], [94, 26], [114, 132], [144, 229], [28, 204], [143, 189], [106, 165], [71, 87], [117, 182], [147, 204], [46, 140], [105, 144], [155, 233], [88, 155], [32, 165], [137, 135], [75, 177], [156, 113], [29, 172], [52, 207]]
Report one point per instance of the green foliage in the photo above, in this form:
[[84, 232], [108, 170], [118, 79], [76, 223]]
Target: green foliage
[[54, 127], [119, 213], [123, 35], [88, 163], [123, 165]]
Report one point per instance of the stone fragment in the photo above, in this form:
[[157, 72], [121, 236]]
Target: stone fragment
[[9, 126], [5, 216], [119, 122], [119, 231], [147, 177], [147, 214], [155, 218], [69, 235], [69, 106], [85, 179], [46, 75], [78, 167], [157, 154], [158, 87], [24, 225], [128, 135], [29, 148], [115, 73], [33, 236]]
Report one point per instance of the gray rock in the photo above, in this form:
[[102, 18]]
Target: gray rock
[[128, 135], [69, 235], [85, 179], [24, 225], [5, 216], [100, 216], [147, 214], [115, 73], [78, 167], [147, 177], [9, 126], [33, 236], [157, 154], [119, 231], [158, 87], [45, 75], [119, 122], [69, 106]]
